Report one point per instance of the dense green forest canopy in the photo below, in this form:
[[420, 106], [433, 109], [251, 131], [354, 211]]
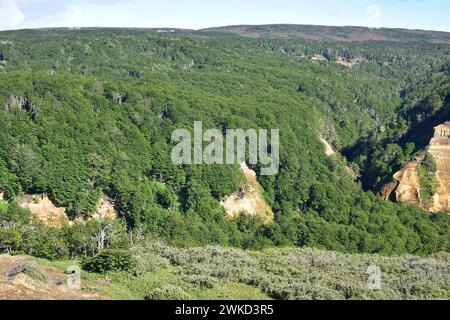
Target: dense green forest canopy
[[91, 112]]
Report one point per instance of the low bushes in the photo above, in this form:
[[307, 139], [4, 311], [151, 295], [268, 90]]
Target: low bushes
[[110, 260]]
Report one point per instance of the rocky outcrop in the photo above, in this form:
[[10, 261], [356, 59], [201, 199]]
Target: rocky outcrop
[[16, 102], [21, 102], [439, 148], [387, 191], [249, 199], [406, 183]]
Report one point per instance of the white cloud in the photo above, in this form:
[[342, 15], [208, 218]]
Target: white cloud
[[374, 20], [10, 15]]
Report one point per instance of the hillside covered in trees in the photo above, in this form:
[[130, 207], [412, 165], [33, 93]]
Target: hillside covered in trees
[[86, 113]]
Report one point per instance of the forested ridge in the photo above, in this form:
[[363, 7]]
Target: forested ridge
[[90, 112]]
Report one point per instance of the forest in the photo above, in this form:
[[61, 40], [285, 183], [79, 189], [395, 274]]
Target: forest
[[86, 113]]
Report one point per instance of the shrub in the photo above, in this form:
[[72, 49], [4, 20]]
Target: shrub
[[205, 282], [150, 263], [31, 269], [168, 292], [110, 260], [44, 242]]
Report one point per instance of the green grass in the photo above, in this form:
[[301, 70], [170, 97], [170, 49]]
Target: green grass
[[215, 273], [59, 265], [123, 286]]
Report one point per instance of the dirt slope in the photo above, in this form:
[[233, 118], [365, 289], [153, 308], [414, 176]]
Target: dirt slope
[[249, 199], [43, 209], [51, 284]]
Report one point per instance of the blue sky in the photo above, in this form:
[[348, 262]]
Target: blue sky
[[196, 14]]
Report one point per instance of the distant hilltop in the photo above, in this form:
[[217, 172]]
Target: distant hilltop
[[328, 33], [289, 31]]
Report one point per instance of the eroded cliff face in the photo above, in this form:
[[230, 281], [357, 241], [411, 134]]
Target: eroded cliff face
[[249, 199], [406, 183], [440, 150], [42, 208]]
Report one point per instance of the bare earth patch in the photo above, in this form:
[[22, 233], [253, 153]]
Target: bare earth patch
[[329, 151], [43, 208], [24, 287], [349, 63], [249, 200]]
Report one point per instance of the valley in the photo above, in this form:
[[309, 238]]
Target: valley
[[86, 174]]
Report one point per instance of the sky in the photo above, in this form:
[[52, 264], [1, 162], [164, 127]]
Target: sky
[[198, 14]]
